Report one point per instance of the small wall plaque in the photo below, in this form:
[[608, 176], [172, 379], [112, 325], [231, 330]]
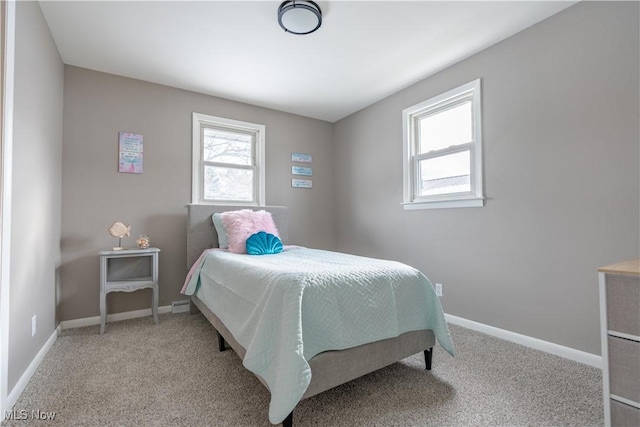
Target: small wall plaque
[[299, 170], [301, 183], [302, 158]]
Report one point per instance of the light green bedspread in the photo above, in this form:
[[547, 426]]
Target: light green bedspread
[[286, 308]]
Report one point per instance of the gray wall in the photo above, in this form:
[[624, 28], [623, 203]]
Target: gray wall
[[561, 167], [96, 107], [36, 190]]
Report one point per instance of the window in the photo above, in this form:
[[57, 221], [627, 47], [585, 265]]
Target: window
[[228, 161], [443, 150]]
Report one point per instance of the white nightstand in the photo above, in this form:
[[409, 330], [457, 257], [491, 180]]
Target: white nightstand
[[128, 270]]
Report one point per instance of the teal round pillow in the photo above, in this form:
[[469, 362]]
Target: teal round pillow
[[262, 243]]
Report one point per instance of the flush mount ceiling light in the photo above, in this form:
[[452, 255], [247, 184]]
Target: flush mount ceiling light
[[299, 17]]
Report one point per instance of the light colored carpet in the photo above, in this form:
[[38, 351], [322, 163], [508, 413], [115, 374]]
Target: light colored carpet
[[140, 374]]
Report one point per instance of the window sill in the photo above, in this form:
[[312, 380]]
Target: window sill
[[475, 202], [227, 203]]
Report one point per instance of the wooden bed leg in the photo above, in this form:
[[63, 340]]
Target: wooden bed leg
[[288, 422], [428, 355], [221, 343]]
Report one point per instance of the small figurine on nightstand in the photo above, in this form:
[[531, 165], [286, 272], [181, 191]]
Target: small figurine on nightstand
[[143, 241], [119, 230]]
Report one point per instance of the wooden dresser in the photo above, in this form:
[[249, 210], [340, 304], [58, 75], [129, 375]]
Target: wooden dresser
[[620, 332]]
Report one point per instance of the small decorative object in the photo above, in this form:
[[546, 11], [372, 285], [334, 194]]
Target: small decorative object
[[119, 230], [143, 241], [262, 243]]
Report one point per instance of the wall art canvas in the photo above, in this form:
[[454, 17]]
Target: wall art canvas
[[130, 153]]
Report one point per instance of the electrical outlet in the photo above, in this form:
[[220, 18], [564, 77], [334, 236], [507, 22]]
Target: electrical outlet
[[33, 326], [439, 289]]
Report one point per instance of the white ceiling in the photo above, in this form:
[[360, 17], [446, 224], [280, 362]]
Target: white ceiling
[[364, 51]]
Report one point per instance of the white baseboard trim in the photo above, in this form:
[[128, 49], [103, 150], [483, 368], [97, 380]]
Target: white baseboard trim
[[31, 369], [115, 317], [527, 341]]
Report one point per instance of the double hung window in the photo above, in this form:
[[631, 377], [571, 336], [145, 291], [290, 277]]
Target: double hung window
[[443, 150], [228, 161]]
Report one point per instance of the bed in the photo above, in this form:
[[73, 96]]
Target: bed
[[303, 359]]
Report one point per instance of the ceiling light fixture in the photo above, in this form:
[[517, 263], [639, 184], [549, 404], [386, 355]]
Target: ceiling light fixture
[[299, 17]]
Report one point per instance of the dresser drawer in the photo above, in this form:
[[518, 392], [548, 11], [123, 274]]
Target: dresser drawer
[[624, 368], [624, 415], [623, 304]]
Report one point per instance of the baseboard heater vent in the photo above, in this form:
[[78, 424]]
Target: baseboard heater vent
[[180, 306]]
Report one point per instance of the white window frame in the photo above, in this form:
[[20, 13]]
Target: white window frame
[[411, 157], [197, 163]]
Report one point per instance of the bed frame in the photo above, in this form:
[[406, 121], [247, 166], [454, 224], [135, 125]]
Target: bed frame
[[328, 369]]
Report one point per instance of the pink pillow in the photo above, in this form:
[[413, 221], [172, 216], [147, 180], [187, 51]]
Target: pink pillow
[[242, 224]]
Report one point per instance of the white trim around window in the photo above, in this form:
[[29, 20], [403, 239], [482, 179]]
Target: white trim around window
[[198, 163], [469, 191]]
